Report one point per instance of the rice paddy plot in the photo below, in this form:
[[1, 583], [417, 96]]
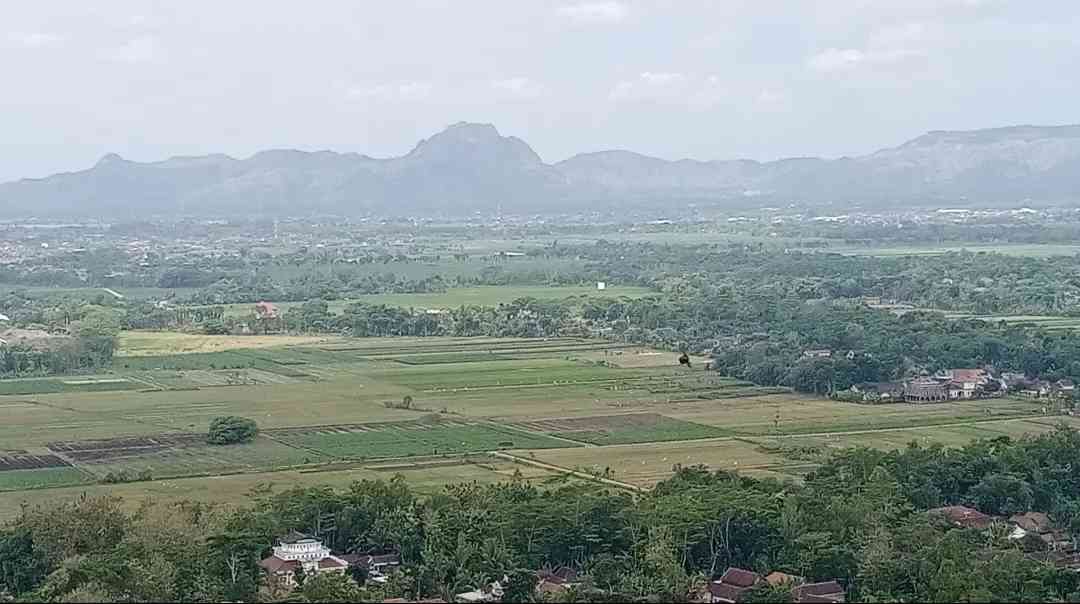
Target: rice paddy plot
[[532, 372], [647, 464], [14, 480], [158, 343], [406, 439], [890, 439], [623, 429], [196, 459], [790, 414], [239, 489], [24, 386]]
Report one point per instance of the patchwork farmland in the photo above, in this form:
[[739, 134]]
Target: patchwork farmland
[[435, 410]]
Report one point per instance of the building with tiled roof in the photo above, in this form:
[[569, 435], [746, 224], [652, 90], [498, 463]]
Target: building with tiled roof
[[297, 550]]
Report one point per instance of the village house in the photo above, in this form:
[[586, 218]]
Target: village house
[[963, 383], [925, 390], [961, 517], [818, 353], [299, 551], [492, 592], [266, 310], [732, 586], [378, 566], [829, 592], [552, 583], [883, 392]]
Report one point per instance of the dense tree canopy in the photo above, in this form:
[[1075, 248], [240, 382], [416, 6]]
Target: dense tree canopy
[[860, 519]]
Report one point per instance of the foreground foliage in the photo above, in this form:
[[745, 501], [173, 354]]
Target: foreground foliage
[[860, 519]]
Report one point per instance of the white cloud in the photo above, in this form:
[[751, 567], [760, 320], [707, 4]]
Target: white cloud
[[670, 88], [35, 39], [769, 97], [143, 49], [594, 12], [837, 60], [519, 88], [391, 92]]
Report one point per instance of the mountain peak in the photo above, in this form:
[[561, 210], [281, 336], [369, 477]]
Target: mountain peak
[[109, 159], [469, 139]]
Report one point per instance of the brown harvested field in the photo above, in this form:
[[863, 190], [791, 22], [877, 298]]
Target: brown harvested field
[[151, 343], [115, 448], [236, 489], [647, 464]]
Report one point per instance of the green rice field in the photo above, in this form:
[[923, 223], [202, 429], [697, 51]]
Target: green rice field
[[421, 406]]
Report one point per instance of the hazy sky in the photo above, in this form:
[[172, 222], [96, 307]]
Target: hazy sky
[[711, 79]]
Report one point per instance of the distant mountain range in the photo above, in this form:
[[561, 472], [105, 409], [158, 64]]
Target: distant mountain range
[[471, 167]]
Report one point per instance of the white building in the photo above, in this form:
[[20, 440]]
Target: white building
[[297, 550]]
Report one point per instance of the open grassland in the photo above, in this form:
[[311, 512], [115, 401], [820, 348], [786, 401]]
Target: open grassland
[[1047, 322], [404, 439], [795, 414], [241, 489], [343, 409], [950, 435], [67, 384], [262, 454], [17, 480], [647, 464], [622, 429], [152, 343]]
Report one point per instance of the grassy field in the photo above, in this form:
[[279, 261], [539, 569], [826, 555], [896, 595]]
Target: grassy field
[[151, 343], [647, 464], [240, 488], [404, 439], [622, 429], [1029, 250], [99, 383], [794, 414], [324, 403], [17, 480], [262, 454]]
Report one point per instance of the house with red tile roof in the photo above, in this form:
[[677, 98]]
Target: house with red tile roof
[[961, 516]]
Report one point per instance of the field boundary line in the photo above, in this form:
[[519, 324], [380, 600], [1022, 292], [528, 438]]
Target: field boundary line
[[568, 471], [303, 448], [511, 428]]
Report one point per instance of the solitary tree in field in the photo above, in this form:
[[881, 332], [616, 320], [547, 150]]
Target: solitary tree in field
[[231, 429]]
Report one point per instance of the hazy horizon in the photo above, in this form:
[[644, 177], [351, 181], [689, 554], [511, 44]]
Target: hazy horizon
[[745, 80]]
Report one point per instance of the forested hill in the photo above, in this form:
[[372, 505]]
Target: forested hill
[[472, 167]]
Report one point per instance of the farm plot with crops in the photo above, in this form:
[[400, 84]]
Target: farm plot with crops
[[622, 429], [414, 438]]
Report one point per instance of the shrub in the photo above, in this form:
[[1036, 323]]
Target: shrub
[[231, 429]]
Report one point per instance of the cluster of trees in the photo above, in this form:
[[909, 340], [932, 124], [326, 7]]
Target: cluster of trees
[[860, 519], [74, 338], [750, 334], [254, 288], [231, 430]]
